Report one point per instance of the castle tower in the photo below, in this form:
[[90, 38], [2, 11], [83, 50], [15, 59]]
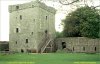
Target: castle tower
[[30, 24]]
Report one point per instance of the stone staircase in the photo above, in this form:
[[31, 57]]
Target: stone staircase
[[47, 47]]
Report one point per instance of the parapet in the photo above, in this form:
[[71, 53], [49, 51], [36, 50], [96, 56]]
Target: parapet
[[31, 4]]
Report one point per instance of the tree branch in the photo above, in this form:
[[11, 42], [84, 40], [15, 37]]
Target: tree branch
[[68, 2]]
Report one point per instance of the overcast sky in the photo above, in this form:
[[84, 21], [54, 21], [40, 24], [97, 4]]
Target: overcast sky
[[62, 10]]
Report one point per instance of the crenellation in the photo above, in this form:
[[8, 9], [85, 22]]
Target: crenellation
[[33, 4]]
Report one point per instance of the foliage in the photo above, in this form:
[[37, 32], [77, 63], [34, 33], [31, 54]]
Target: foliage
[[68, 2], [4, 47], [82, 22], [59, 34]]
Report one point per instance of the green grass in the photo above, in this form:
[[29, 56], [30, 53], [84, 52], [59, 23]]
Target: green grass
[[51, 58]]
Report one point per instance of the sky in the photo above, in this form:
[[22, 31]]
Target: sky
[[61, 12]]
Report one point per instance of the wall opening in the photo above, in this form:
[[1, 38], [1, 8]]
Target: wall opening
[[32, 33], [34, 19], [26, 40], [20, 17], [17, 7], [16, 42], [17, 30], [46, 31], [73, 48], [33, 6], [16, 17], [63, 45], [46, 17], [95, 48], [22, 50], [83, 48]]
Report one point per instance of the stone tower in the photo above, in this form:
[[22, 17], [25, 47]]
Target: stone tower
[[32, 26]]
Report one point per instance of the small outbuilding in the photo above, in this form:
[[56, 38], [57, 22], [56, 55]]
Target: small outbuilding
[[78, 44]]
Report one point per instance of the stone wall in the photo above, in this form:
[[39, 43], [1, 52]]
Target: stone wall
[[28, 23], [78, 44], [31, 4], [4, 46]]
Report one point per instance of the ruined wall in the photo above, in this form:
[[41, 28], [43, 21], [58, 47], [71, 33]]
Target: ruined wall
[[4, 46], [79, 44]]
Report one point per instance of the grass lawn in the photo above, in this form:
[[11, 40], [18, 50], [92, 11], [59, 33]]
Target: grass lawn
[[51, 58]]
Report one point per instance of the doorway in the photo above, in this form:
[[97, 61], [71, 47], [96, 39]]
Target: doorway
[[63, 45], [22, 50]]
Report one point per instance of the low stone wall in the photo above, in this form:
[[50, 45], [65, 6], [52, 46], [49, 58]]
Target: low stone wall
[[78, 44], [4, 46]]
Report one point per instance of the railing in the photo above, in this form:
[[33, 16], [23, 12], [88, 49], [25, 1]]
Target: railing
[[45, 45], [43, 41]]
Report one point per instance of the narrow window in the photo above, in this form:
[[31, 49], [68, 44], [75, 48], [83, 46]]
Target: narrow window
[[26, 40], [17, 7], [83, 48], [95, 48], [32, 5], [46, 31], [16, 17], [32, 33], [16, 42], [63, 45], [20, 17], [46, 17], [17, 30], [34, 19], [73, 48]]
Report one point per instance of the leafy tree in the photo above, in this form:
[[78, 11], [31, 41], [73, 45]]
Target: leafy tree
[[68, 2], [82, 22], [59, 34]]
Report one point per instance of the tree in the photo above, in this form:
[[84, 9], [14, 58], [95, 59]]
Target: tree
[[68, 3], [59, 34], [82, 22]]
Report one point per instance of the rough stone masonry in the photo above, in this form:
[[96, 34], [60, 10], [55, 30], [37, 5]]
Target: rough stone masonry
[[30, 24]]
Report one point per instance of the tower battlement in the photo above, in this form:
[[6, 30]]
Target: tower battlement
[[31, 4]]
